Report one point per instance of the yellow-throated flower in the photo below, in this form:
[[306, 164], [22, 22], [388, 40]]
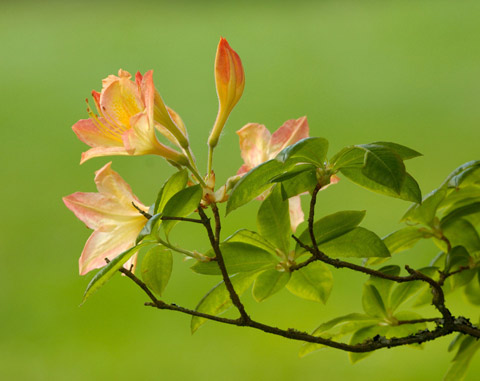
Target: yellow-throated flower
[[125, 124]]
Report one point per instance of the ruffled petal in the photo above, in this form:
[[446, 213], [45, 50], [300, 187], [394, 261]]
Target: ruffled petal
[[289, 133], [296, 212], [254, 142]]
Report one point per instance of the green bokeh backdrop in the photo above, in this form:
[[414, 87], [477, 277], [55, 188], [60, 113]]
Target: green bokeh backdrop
[[403, 71]]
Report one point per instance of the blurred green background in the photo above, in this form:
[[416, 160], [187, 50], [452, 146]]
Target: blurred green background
[[403, 71]]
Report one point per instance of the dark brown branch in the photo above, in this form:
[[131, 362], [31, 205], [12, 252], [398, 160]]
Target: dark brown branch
[[417, 321], [445, 275], [194, 220], [311, 214], [215, 243], [459, 324], [300, 265]]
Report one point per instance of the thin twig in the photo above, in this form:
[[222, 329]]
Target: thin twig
[[215, 243], [194, 220]]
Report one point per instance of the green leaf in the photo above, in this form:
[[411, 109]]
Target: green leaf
[[330, 227], [362, 335], [456, 258], [238, 257], [372, 302], [403, 239], [410, 190], [472, 291], [383, 166], [157, 268], [268, 283], [181, 205], [217, 300], [337, 328], [273, 220], [359, 242], [303, 182], [102, 276], [404, 152], [308, 150], [252, 238], [405, 291], [150, 228], [173, 185], [424, 213], [312, 282], [254, 183], [460, 212], [461, 232], [459, 367], [348, 157], [466, 174], [294, 172], [403, 330], [384, 286], [457, 197]]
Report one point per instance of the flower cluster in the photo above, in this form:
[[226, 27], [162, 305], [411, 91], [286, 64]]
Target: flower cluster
[[129, 119]]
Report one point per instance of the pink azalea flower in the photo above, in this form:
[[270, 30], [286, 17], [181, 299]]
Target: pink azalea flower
[[128, 114], [110, 213], [257, 145]]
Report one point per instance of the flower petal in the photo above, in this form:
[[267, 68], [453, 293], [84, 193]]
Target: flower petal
[[289, 133], [120, 99], [254, 141], [99, 211], [296, 212], [89, 133], [111, 184], [110, 244], [102, 151]]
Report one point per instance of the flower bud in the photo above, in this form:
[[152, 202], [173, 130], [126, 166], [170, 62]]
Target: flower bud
[[230, 81]]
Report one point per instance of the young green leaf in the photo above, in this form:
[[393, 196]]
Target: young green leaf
[[403, 239], [424, 213], [254, 183], [372, 302], [157, 268], [466, 174], [238, 257], [460, 212], [308, 150], [359, 242], [405, 291], [383, 166], [330, 227], [410, 190], [252, 238], [173, 185], [181, 205], [105, 273], [217, 300], [273, 220], [268, 283], [312, 282], [384, 286]]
